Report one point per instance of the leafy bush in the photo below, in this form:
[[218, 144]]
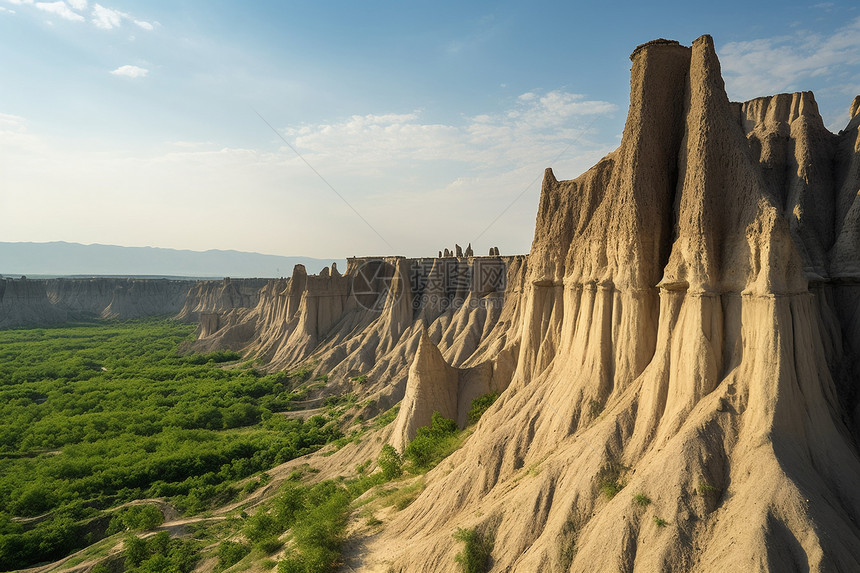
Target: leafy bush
[[159, 554], [317, 528], [432, 443], [475, 556], [390, 462], [660, 522], [142, 517], [641, 500], [231, 552], [216, 357], [480, 405]]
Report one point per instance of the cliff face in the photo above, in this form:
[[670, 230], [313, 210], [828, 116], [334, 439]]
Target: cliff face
[[52, 301], [25, 302], [118, 297], [368, 322], [213, 297], [687, 329]]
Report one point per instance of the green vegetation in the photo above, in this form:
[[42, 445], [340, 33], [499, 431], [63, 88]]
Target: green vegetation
[[595, 407], [432, 443], [475, 556], [97, 415], [317, 530], [136, 517], [480, 405], [386, 417], [390, 462], [706, 489], [567, 544], [641, 500], [660, 522], [609, 479], [230, 553], [159, 554]]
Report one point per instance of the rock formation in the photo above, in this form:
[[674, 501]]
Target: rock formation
[[51, 301], [25, 302], [688, 330], [213, 297]]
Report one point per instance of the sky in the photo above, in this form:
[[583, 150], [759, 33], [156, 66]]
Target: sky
[[336, 129]]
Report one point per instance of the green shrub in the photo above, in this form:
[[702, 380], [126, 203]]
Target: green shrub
[[390, 462], [660, 522], [706, 489], [641, 500], [475, 556], [230, 553], [386, 417], [609, 479], [432, 443], [261, 527], [318, 530], [480, 405]]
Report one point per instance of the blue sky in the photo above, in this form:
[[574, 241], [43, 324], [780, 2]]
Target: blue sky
[[136, 123]]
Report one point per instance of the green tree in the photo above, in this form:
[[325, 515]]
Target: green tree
[[390, 462]]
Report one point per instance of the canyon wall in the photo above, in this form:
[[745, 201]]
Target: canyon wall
[[40, 302], [677, 357], [688, 334]]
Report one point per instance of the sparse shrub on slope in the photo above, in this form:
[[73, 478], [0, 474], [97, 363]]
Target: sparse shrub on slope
[[432, 443], [480, 405], [475, 556]]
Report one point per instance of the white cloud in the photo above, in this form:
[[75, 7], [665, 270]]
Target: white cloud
[[19, 2], [60, 9], [130, 71], [770, 65], [421, 184], [107, 18], [78, 4], [536, 128], [143, 24]]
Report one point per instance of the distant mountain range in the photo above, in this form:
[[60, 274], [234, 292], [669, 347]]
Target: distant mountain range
[[75, 259]]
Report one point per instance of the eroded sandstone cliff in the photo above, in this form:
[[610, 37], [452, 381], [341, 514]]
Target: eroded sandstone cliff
[[686, 327], [689, 330]]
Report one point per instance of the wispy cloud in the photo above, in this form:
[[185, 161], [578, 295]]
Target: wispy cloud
[[130, 71], [101, 16], [536, 127], [784, 63], [60, 9], [107, 18], [110, 19]]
